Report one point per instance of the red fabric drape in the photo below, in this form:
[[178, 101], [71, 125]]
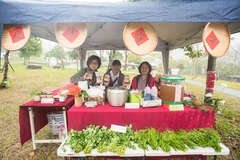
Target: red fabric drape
[[159, 118]]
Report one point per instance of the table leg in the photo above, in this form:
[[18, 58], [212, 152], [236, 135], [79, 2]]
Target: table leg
[[65, 120], [31, 117], [215, 157]]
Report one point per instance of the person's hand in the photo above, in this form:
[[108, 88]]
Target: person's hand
[[87, 76], [106, 80]]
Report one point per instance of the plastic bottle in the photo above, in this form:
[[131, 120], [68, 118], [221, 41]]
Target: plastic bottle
[[154, 93], [147, 93]]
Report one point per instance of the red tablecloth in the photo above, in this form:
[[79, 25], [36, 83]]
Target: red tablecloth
[[159, 118], [40, 115]]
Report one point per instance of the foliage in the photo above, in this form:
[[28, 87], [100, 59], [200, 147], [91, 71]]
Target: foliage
[[32, 48], [194, 55], [132, 58], [106, 140], [214, 103], [101, 138], [59, 53], [5, 83], [194, 103], [73, 54], [35, 93]]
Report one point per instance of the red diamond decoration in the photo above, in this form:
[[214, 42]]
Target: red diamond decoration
[[139, 36], [16, 34], [71, 34], [212, 40]]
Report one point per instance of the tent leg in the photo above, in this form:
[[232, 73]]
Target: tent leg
[[211, 67], [1, 28], [82, 56], [165, 58]]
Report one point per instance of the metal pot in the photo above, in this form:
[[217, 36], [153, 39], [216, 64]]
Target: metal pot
[[117, 96]]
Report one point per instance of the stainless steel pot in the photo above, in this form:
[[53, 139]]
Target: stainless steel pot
[[117, 96]]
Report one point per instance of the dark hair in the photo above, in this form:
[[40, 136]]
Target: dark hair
[[149, 66], [93, 57], [116, 63]]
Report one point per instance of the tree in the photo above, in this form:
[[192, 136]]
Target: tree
[[73, 55], [114, 55], [32, 48], [59, 54], [194, 55], [133, 58], [5, 70]]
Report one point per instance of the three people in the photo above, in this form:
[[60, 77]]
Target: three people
[[114, 77]]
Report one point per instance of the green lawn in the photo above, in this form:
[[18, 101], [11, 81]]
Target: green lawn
[[23, 81], [233, 85]]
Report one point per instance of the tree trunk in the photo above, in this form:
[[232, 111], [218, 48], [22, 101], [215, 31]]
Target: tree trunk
[[62, 63], [126, 60], [194, 68], [211, 67], [5, 66], [111, 58], [77, 61], [25, 60]]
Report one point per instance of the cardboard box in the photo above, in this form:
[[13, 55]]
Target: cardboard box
[[168, 93]]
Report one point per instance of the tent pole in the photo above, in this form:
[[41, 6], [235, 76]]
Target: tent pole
[[1, 27], [83, 56], [165, 58], [211, 67]]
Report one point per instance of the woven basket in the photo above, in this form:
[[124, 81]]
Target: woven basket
[[216, 38], [71, 35], [15, 36], [55, 120], [140, 38]]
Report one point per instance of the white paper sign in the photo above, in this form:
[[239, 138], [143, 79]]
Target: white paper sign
[[178, 93], [132, 105], [47, 100], [117, 128]]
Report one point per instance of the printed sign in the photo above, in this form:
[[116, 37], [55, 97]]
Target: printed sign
[[212, 40], [178, 93], [117, 128], [16, 34], [176, 107], [139, 36], [47, 100], [71, 34]]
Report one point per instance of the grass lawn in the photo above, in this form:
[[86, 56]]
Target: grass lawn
[[23, 81], [233, 85]]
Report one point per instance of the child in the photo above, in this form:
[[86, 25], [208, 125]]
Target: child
[[93, 63]]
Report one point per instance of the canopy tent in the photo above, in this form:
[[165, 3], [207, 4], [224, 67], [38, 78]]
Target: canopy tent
[[177, 22]]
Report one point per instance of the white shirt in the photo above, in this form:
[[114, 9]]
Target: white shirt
[[113, 77]]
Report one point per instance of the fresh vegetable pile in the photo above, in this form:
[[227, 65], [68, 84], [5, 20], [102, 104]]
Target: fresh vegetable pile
[[103, 139]]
